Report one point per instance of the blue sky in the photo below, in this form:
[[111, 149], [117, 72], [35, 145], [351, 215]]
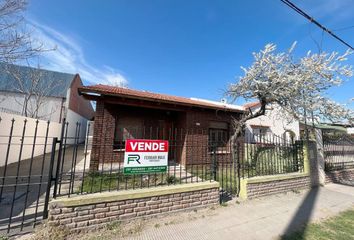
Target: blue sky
[[185, 48]]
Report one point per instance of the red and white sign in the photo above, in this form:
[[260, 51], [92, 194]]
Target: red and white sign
[[145, 156], [137, 145]]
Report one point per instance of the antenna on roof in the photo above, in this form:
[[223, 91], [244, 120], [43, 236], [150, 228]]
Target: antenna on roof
[[223, 100]]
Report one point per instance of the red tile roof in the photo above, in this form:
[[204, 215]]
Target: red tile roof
[[251, 105], [149, 96]]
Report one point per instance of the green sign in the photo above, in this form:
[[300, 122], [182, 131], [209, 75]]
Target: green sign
[[145, 170]]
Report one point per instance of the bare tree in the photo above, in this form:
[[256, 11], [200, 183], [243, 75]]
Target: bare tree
[[298, 85], [35, 89], [16, 43]]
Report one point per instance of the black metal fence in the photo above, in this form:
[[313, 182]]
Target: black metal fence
[[40, 160], [195, 155], [338, 151], [269, 154], [24, 173], [98, 167], [28, 157]]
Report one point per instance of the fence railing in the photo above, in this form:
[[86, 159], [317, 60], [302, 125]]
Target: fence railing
[[27, 148], [270, 155], [97, 167], [41, 159], [338, 151], [195, 155]]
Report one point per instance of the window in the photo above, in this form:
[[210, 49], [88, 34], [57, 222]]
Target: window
[[260, 133], [126, 128], [218, 135]]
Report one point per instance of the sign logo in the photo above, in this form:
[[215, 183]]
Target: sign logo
[[145, 156], [133, 158]]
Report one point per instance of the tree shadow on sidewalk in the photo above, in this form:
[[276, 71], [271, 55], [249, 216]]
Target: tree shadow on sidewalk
[[303, 215]]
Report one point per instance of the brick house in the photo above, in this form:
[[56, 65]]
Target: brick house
[[189, 124]]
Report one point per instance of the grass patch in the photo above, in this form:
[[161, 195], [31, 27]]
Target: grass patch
[[113, 225], [296, 191], [98, 182], [340, 227], [51, 233], [225, 174], [271, 159]]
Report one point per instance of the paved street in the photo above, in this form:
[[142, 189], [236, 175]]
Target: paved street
[[263, 219]]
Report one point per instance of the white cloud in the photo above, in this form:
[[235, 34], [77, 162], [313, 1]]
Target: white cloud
[[68, 56]]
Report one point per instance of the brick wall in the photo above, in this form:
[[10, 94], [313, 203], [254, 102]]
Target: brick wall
[[339, 176], [190, 142], [103, 134], [83, 216], [196, 148], [78, 103], [262, 189]]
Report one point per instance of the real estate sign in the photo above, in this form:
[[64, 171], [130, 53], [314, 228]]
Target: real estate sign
[[145, 156]]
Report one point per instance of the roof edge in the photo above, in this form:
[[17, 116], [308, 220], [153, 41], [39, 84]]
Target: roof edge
[[87, 90]]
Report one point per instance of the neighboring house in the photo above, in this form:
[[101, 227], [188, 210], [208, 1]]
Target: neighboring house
[[123, 113], [329, 128], [42, 94], [350, 130], [274, 122]]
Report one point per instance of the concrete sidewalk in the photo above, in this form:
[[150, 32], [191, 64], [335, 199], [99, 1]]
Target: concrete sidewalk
[[266, 218]]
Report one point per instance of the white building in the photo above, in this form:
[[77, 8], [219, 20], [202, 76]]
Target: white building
[[275, 121], [58, 91], [61, 100], [52, 95]]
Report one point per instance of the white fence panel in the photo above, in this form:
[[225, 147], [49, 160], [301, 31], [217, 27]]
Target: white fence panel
[[23, 136]]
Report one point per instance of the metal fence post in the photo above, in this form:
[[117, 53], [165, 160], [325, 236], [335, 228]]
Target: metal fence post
[[215, 165], [57, 170], [50, 178]]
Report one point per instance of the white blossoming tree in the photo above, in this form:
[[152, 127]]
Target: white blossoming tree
[[298, 85]]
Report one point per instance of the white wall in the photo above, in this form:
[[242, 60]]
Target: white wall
[[5, 127], [350, 130], [72, 118], [277, 120], [13, 103]]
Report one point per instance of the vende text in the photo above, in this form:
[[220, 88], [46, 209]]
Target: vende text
[[147, 146]]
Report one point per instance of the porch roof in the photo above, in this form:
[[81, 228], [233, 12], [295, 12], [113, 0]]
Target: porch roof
[[97, 91]]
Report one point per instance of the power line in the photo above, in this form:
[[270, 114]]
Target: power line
[[302, 13]]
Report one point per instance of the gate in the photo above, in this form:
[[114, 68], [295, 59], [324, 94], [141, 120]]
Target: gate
[[27, 161], [338, 152], [225, 169]]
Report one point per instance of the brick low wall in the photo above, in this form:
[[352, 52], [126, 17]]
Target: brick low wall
[[92, 211], [270, 185], [339, 176]]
